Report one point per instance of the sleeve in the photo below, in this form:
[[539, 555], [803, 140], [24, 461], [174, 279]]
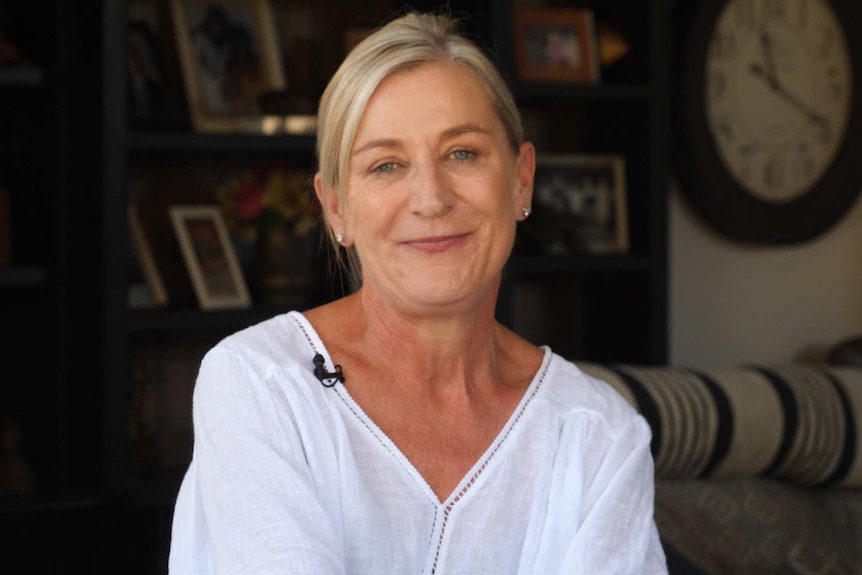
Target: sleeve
[[248, 502], [606, 521]]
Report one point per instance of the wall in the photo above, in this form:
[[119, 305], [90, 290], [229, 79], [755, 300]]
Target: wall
[[732, 303]]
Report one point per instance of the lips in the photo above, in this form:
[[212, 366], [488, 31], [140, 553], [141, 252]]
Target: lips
[[436, 244]]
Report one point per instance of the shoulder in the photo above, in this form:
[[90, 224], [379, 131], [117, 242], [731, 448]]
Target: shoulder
[[272, 342], [578, 395], [257, 359]]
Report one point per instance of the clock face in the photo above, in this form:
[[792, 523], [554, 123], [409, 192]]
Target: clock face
[[778, 93]]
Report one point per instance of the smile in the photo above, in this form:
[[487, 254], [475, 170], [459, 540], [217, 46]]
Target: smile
[[436, 244]]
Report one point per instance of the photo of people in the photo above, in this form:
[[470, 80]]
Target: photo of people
[[579, 206], [556, 44], [553, 46], [225, 46]]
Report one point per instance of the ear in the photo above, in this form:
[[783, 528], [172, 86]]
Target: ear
[[331, 204], [526, 170]]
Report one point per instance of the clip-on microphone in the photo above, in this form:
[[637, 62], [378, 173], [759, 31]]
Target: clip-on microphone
[[327, 378]]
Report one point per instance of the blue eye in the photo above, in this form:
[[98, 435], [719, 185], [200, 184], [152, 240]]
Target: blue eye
[[462, 155], [385, 168]]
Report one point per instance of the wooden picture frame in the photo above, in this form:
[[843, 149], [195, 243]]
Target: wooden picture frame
[[150, 291], [579, 205], [224, 80], [209, 257], [556, 45]]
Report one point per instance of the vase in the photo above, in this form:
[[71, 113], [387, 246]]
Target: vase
[[282, 270]]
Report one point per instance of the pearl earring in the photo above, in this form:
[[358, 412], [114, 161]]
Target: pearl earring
[[339, 238], [526, 212]]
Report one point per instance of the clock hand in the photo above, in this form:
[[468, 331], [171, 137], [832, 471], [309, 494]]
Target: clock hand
[[768, 54], [788, 96]]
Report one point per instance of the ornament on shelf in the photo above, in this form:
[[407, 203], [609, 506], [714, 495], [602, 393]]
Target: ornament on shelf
[[272, 212], [613, 46]]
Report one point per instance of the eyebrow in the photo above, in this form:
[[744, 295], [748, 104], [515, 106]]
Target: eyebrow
[[394, 142]]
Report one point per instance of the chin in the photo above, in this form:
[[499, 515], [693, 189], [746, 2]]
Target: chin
[[439, 294]]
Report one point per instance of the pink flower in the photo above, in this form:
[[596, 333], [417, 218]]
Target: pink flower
[[248, 204]]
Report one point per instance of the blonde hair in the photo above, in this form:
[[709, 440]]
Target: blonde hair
[[405, 42]]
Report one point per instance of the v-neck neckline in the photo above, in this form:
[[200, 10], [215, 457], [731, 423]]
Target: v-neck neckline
[[463, 486]]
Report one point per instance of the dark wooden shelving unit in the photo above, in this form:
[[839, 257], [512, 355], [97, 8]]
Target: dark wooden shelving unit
[[191, 320], [22, 277], [550, 265], [87, 354], [50, 397], [598, 93], [22, 77], [184, 142]]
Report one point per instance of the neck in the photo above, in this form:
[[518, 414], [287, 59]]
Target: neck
[[429, 350]]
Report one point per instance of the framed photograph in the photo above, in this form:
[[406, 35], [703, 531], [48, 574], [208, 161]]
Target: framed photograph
[[145, 288], [579, 205], [150, 102], [556, 45], [208, 253], [229, 55]]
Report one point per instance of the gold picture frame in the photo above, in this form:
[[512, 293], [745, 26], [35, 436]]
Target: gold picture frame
[[209, 257], [225, 78], [557, 45]]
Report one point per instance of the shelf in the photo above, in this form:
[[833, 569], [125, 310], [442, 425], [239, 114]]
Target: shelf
[[32, 506], [583, 92], [521, 265], [164, 501], [21, 277], [226, 143], [192, 320], [21, 77]]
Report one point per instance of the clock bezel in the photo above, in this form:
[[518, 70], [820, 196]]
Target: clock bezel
[[702, 176]]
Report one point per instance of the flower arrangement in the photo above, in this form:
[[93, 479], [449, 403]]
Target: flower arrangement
[[275, 195]]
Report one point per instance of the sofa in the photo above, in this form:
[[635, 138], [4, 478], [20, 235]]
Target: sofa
[[758, 468]]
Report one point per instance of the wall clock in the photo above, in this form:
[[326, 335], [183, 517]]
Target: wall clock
[[768, 114]]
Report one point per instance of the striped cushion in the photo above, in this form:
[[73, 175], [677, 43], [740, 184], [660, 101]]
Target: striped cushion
[[801, 423]]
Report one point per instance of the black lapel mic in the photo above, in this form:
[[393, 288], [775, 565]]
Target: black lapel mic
[[327, 378]]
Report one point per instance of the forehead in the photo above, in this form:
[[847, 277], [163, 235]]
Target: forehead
[[430, 97]]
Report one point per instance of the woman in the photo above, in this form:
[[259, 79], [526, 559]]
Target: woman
[[441, 442]]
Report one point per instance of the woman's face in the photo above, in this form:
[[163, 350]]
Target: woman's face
[[434, 191]]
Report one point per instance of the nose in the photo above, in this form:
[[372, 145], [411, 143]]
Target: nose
[[430, 195]]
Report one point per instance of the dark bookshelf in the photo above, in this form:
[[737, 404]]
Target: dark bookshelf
[[66, 307], [22, 277]]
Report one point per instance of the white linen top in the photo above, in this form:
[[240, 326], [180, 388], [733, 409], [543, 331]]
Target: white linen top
[[289, 476]]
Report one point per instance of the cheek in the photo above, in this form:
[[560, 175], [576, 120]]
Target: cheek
[[499, 196], [370, 213]]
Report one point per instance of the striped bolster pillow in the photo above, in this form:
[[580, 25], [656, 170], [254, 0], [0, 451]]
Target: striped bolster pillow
[[801, 423]]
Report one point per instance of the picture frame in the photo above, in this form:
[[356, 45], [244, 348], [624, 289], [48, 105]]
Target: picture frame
[[579, 205], [150, 101], [230, 57], [146, 288], [557, 45], [209, 256]]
